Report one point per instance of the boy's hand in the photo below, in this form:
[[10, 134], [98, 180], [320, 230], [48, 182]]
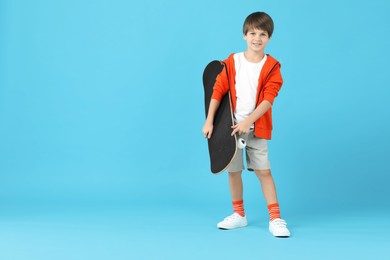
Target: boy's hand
[[241, 128], [207, 130]]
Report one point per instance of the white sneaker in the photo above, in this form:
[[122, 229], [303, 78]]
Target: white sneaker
[[278, 228], [233, 221]]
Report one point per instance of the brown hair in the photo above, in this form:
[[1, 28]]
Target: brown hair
[[259, 20]]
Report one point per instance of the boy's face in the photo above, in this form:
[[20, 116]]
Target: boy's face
[[256, 39]]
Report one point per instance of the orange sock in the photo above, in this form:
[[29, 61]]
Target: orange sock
[[273, 210], [238, 207]]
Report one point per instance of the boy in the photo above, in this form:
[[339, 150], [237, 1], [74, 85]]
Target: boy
[[254, 80]]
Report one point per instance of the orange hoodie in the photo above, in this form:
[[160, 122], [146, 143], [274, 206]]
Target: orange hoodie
[[270, 82]]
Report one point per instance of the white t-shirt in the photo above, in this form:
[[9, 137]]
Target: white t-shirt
[[247, 80]]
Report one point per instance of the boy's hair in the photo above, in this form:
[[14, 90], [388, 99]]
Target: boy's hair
[[259, 20]]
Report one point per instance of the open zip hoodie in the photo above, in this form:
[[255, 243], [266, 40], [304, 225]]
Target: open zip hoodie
[[269, 84]]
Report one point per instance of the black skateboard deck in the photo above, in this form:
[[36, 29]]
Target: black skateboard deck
[[222, 145]]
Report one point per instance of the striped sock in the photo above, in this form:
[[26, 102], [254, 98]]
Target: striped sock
[[273, 210], [238, 207]]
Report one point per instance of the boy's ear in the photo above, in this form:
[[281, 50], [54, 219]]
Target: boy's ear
[[245, 37]]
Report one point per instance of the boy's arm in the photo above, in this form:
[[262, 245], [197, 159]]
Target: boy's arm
[[209, 125], [273, 84], [244, 126], [221, 86]]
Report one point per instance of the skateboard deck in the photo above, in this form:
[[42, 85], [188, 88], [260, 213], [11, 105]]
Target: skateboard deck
[[222, 145]]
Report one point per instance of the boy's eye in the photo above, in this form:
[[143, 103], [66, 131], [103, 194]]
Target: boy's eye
[[261, 35]]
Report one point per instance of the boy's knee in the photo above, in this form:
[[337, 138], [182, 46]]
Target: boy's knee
[[235, 173], [263, 173]]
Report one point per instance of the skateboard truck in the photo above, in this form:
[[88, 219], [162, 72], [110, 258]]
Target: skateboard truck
[[241, 143]]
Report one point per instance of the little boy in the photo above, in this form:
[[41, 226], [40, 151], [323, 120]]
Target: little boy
[[254, 80]]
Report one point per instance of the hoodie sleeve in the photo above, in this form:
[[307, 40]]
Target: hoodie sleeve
[[221, 86], [273, 84]]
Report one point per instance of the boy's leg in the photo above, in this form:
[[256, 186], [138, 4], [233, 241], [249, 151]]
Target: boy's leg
[[277, 226], [236, 191], [236, 187], [237, 219], [257, 158], [269, 192], [267, 185], [235, 183]]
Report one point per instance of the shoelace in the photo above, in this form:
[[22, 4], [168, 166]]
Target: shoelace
[[231, 217], [281, 223]]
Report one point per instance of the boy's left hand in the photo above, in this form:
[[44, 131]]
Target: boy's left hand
[[241, 128]]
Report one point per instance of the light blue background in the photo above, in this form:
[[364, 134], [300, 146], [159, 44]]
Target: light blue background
[[101, 107]]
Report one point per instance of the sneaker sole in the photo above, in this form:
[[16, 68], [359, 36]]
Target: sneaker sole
[[225, 228], [280, 235]]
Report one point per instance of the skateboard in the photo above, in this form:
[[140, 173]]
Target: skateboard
[[222, 145]]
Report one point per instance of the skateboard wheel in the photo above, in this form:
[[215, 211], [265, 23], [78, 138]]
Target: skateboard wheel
[[241, 143]]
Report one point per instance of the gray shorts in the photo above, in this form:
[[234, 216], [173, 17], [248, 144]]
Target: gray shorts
[[256, 154]]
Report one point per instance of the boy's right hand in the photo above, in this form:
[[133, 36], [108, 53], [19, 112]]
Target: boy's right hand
[[207, 130]]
